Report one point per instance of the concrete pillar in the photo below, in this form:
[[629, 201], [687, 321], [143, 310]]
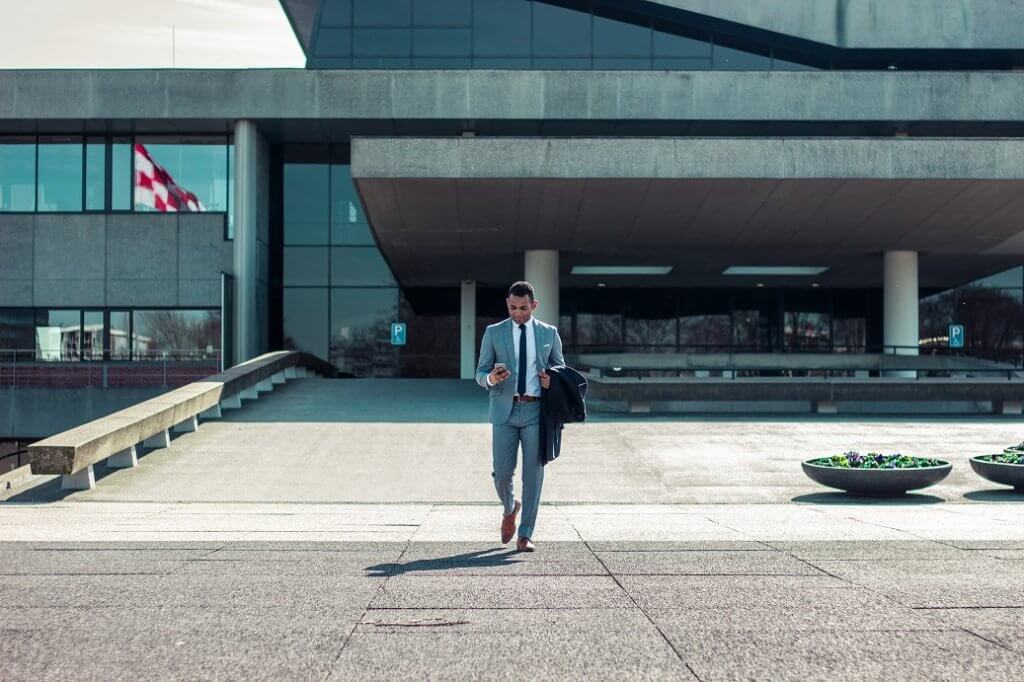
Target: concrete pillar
[[467, 331], [290, 373], [247, 189], [126, 459], [249, 393], [541, 270], [82, 480], [277, 378], [900, 306], [264, 386]]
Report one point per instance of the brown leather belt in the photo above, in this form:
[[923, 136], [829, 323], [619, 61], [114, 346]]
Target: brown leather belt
[[525, 398]]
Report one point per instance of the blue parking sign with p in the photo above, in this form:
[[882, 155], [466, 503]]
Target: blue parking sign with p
[[398, 333], [956, 336]]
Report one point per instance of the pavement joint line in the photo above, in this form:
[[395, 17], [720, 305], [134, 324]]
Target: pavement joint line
[[641, 609], [990, 641]]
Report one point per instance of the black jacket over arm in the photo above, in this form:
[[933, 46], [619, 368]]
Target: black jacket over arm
[[564, 402]]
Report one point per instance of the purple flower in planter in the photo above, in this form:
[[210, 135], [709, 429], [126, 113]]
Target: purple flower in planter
[[854, 458], [879, 458]]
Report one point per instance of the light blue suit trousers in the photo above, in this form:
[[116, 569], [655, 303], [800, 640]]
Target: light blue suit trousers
[[516, 426]]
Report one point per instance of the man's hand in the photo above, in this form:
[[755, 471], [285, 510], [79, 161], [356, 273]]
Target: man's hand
[[545, 380], [498, 375]]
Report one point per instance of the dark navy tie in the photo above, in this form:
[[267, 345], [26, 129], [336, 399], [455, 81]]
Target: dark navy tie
[[521, 384]]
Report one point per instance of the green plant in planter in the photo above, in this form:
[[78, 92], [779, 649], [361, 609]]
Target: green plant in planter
[[874, 460], [1008, 457], [1017, 449]]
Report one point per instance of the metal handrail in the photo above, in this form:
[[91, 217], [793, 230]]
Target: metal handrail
[[94, 372], [732, 371]]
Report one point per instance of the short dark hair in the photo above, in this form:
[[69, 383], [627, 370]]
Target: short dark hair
[[522, 289]]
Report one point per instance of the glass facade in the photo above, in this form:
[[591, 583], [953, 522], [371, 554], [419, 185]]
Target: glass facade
[[338, 296], [71, 174], [71, 334], [519, 34]]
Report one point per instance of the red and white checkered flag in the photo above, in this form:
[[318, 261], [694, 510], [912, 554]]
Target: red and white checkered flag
[[156, 189]]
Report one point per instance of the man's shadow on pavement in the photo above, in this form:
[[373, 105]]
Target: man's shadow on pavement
[[485, 558]]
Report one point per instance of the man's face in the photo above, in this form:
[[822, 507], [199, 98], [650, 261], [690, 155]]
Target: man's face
[[520, 308]]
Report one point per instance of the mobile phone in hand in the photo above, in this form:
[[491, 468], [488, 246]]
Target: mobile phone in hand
[[500, 367]]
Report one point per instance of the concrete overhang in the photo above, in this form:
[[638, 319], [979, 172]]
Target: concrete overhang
[[450, 209], [876, 24], [67, 98]]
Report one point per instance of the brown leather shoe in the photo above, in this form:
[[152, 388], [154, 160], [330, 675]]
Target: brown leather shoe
[[525, 545], [508, 524]]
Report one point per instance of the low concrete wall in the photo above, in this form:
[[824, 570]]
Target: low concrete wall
[[41, 412]]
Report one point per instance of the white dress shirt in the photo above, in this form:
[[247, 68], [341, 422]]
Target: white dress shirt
[[532, 380]]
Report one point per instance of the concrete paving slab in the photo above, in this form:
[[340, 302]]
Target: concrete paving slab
[[839, 655], [871, 550], [513, 592], [705, 563], [821, 616], [715, 591], [540, 654]]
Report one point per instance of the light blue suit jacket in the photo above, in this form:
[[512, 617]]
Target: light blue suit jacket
[[497, 347]]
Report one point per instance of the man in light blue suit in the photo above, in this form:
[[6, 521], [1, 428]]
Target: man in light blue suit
[[514, 355]]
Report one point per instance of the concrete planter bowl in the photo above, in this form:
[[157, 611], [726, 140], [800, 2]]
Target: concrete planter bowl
[[999, 472], [877, 482]]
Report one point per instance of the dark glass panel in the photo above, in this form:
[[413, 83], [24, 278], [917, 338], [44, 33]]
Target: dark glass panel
[[334, 42], [119, 335], [501, 63], [197, 164], [58, 335], [305, 266], [662, 64], [849, 321], [1008, 279], [934, 314], [560, 31], [807, 324], [598, 320], [442, 42], [614, 38], [92, 335], [348, 224], [621, 63], [442, 63], [442, 12], [17, 174], [361, 331], [121, 174], [305, 320], [95, 175], [60, 174], [17, 330], [381, 63], [993, 321], [704, 322], [336, 13], [650, 320], [729, 59], [359, 266], [306, 204], [175, 334], [672, 45], [433, 338], [756, 320], [382, 12], [565, 63], [381, 42], [501, 28]]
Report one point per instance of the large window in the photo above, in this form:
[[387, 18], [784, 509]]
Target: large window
[[338, 296], [71, 334], [72, 173], [518, 34], [17, 174]]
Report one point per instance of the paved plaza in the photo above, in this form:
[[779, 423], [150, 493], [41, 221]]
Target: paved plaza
[[346, 530]]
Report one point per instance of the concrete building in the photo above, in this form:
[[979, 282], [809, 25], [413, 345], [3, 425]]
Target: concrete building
[[677, 176]]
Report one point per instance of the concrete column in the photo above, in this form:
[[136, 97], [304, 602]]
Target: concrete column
[[541, 270], [467, 331], [82, 480], [246, 233], [900, 306]]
